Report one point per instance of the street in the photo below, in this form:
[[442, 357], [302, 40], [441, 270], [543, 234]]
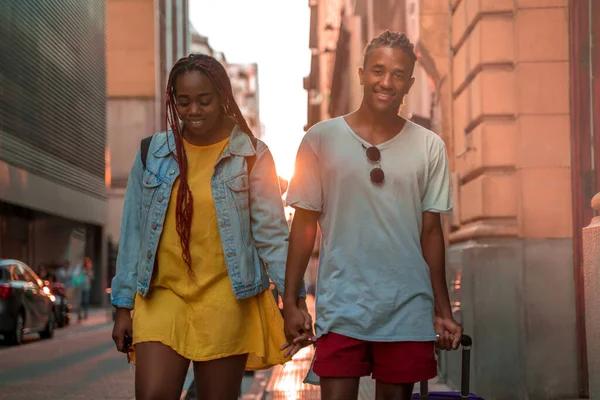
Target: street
[[80, 362]]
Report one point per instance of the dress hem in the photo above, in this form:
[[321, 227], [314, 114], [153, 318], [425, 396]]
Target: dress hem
[[161, 340]]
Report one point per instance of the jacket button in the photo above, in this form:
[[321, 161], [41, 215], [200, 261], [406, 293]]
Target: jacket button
[[172, 171], [160, 199], [154, 225], [149, 255]]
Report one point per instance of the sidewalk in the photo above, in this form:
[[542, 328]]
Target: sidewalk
[[286, 383], [96, 315]]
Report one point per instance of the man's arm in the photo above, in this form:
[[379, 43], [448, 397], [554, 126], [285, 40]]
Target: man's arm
[[434, 252], [305, 194], [297, 323], [302, 242]]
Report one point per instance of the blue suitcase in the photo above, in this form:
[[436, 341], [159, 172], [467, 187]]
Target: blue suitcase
[[464, 393]]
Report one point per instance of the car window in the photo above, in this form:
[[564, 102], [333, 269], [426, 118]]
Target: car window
[[36, 278], [28, 274], [5, 273], [10, 272]]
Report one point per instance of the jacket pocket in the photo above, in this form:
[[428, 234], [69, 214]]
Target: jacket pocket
[[239, 211], [239, 190], [239, 187], [150, 183]]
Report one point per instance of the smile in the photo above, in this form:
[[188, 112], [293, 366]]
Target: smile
[[196, 123], [383, 96]]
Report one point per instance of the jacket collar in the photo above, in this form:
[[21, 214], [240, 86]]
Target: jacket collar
[[239, 144]]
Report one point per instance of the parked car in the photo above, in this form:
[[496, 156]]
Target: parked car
[[26, 305]]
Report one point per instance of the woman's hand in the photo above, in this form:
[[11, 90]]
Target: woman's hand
[[123, 328]]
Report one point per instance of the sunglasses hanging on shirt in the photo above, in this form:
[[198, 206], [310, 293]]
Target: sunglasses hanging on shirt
[[374, 155]]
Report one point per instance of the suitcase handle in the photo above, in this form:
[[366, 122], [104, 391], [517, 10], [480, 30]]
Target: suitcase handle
[[466, 342], [465, 374]]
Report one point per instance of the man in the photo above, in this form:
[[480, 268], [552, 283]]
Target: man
[[376, 184]]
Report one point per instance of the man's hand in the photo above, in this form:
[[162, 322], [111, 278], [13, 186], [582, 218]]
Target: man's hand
[[298, 327], [123, 327], [449, 333]]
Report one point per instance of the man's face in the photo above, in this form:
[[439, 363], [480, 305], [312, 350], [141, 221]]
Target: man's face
[[386, 77]]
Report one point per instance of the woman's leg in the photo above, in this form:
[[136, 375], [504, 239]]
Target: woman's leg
[[85, 302], [220, 379], [159, 373]]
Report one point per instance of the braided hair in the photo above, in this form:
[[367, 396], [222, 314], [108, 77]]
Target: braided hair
[[218, 75], [395, 40]]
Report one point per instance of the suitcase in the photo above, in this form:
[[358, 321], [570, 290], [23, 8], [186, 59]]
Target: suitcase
[[464, 393]]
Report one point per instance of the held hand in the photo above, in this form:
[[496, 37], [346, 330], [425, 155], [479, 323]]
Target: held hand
[[123, 327], [448, 332], [298, 329], [308, 336]]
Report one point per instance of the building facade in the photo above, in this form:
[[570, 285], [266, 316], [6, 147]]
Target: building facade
[[508, 85], [144, 40], [244, 82], [53, 204], [200, 45]]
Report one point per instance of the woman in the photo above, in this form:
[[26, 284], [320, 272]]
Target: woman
[[200, 238], [86, 277]]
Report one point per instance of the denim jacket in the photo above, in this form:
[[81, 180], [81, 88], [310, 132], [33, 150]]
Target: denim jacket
[[250, 216]]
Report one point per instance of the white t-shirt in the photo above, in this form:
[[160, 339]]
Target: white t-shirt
[[374, 283]]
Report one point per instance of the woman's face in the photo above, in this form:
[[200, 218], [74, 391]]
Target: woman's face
[[198, 103]]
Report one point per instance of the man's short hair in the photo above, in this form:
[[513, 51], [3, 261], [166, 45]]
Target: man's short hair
[[395, 40]]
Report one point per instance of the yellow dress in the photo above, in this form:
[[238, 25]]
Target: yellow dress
[[202, 319]]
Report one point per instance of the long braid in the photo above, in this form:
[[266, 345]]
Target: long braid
[[218, 75]]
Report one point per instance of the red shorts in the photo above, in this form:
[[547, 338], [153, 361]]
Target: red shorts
[[339, 356]]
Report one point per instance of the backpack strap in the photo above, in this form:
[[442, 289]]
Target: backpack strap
[[252, 159], [144, 146]]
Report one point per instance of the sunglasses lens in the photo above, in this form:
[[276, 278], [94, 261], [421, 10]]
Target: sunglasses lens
[[373, 154], [377, 175]]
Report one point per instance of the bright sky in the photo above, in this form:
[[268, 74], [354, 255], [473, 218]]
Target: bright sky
[[274, 34]]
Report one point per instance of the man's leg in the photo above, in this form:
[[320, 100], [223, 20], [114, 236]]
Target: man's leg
[[340, 361], [339, 388], [398, 365], [85, 303], [393, 391]]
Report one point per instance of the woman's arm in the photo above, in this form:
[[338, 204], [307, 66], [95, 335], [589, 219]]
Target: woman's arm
[[125, 281]]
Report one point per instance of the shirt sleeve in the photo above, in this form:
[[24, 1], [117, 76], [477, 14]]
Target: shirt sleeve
[[305, 190], [438, 197]]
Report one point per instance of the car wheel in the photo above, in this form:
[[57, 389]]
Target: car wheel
[[62, 316], [49, 331], [17, 336]]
